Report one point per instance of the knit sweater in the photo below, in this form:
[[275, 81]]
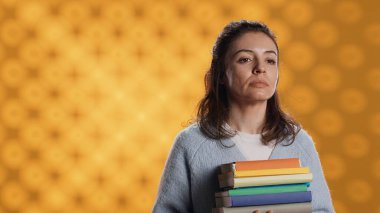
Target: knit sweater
[[190, 177]]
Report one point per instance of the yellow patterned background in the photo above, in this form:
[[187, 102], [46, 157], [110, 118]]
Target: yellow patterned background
[[92, 94]]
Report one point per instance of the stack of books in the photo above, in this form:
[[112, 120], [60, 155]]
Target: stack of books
[[280, 185]]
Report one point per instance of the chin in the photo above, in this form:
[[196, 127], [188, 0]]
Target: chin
[[254, 97], [261, 100], [259, 97]]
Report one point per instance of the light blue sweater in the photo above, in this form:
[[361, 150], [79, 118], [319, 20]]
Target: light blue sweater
[[189, 180]]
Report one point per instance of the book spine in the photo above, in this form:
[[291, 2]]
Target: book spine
[[267, 172], [267, 199], [271, 180], [226, 168], [277, 208], [302, 187], [268, 164], [223, 202], [226, 180]]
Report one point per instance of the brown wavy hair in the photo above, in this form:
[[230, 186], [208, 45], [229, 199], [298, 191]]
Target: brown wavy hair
[[213, 109]]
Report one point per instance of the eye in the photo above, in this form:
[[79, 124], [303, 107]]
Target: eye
[[271, 61], [244, 60]]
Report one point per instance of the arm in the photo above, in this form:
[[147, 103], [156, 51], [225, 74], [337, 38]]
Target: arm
[[174, 191], [321, 198]]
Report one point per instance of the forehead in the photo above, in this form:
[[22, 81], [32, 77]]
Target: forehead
[[253, 40]]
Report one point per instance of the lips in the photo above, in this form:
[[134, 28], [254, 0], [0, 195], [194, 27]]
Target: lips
[[259, 84]]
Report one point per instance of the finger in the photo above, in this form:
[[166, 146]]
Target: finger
[[270, 211]]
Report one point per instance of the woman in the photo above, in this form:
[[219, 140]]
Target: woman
[[239, 118]]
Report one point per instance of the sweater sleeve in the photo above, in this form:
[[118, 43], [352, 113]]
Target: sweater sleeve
[[321, 198], [174, 193]]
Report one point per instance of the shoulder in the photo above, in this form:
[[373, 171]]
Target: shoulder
[[304, 137], [190, 139], [305, 143], [190, 134]]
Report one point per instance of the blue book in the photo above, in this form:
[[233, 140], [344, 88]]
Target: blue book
[[263, 199]]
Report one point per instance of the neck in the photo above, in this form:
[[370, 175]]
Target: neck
[[247, 118]]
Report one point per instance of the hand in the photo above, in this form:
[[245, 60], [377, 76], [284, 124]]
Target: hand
[[258, 211]]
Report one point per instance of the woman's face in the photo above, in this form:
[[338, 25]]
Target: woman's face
[[251, 68]]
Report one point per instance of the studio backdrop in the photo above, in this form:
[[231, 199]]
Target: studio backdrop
[[93, 93]]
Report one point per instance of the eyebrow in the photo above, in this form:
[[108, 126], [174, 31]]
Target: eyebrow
[[246, 50]]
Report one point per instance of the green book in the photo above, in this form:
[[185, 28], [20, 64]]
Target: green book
[[255, 190]]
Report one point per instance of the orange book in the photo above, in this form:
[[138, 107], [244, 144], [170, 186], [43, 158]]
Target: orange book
[[268, 164], [261, 164]]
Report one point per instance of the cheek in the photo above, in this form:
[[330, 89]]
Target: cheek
[[233, 77], [274, 77]]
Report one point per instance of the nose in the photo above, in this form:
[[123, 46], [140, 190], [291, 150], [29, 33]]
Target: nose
[[258, 69]]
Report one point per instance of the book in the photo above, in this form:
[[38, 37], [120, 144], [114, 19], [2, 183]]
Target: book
[[266, 172], [278, 208], [228, 181], [300, 187], [263, 199], [261, 164]]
